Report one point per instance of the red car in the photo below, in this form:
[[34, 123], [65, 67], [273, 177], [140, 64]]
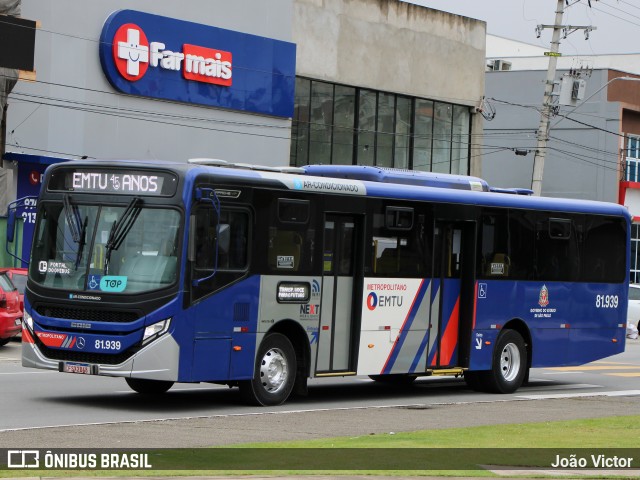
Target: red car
[[18, 277], [10, 312]]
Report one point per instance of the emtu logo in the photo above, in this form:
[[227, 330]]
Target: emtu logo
[[131, 51], [372, 301]]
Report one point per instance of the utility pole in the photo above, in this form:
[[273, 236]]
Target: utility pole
[[547, 107], [543, 129]]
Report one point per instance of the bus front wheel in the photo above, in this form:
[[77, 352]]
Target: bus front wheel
[[148, 387], [274, 373]]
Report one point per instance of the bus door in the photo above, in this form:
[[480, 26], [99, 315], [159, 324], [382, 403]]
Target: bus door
[[453, 277], [339, 288]]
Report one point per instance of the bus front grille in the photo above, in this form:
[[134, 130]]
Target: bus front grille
[[87, 314]]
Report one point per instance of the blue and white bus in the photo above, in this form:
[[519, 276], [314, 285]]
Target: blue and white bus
[[263, 277]]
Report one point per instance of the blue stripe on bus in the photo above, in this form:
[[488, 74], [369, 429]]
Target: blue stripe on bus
[[415, 306], [447, 307]]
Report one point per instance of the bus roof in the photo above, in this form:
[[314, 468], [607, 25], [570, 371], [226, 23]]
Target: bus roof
[[409, 185], [398, 176], [373, 182]]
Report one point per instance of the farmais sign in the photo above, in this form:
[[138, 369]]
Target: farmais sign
[[160, 57]]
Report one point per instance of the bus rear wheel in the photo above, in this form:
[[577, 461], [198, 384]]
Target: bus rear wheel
[[509, 366], [274, 373], [148, 387]]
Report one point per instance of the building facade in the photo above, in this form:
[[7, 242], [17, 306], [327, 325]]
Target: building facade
[[386, 83], [275, 83], [594, 139]]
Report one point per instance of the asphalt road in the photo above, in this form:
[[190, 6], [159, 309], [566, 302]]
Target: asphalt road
[[60, 410]]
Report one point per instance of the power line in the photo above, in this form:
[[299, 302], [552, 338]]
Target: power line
[[589, 149], [35, 149], [582, 159], [630, 4], [615, 16], [602, 2], [566, 117]]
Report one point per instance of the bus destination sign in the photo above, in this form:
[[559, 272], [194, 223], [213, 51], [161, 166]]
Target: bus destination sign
[[114, 182]]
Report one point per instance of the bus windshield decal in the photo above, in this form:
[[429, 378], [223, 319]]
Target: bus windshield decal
[[107, 283], [86, 180]]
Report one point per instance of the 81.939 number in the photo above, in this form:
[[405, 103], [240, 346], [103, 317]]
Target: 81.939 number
[[108, 345], [606, 301]]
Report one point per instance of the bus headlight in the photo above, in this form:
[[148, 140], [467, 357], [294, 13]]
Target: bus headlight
[[154, 331], [27, 320]]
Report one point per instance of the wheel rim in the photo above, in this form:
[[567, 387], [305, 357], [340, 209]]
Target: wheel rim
[[274, 370], [510, 362]]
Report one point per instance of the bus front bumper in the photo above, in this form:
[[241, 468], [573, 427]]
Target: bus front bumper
[[163, 352]]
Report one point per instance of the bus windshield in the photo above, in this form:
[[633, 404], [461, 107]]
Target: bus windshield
[[113, 249]]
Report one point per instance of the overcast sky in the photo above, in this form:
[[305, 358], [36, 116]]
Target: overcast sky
[[617, 22]]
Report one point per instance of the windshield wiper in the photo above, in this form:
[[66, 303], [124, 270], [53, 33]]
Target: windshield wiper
[[77, 227], [82, 241], [72, 216], [121, 228]]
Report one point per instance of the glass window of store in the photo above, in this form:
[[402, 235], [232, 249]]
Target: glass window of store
[[423, 135], [321, 122], [341, 125], [385, 130], [460, 140], [300, 124], [366, 132], [632, 172], [442, 121], [344, 108], [635, 252]]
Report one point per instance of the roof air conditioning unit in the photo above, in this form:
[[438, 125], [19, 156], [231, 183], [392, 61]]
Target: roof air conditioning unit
[[499, 65]]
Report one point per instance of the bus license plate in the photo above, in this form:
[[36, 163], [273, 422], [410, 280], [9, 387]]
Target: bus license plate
[[82, 368], [18, 321]]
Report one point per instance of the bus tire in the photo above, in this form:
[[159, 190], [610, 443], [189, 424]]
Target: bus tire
[[274, 373], [148, 387], [509, 366]]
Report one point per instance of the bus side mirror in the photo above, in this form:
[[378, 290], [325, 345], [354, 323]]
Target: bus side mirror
[[11, 225]]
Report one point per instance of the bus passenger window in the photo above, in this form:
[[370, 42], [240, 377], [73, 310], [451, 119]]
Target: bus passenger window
[[399, 218], [604, 257], [558, 248], [494, 246], [400, 254], [293, 210], [500, 265], [385, 255], [285, 249], [230, 235]]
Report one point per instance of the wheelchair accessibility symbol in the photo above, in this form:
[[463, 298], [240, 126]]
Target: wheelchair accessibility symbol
[[94, 282]]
